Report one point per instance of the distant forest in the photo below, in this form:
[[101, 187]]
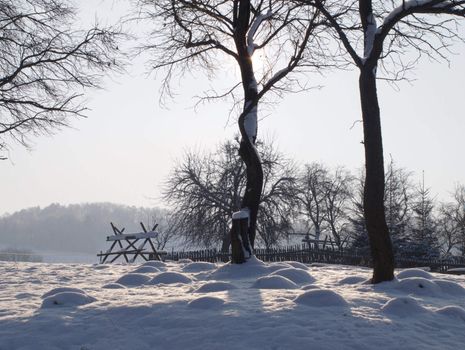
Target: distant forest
[[76, 228]]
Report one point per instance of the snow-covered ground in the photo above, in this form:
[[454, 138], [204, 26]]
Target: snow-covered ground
[[185, 305]]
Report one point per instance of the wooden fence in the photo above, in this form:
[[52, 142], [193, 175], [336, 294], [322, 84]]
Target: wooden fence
[[305, 254]]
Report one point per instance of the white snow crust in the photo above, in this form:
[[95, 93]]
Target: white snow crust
[[414, 273], [133, 279], [158, 264], [67, 299], [296, 275], [352, 280], [321, 298], [198, 267], [170, 278], [403, 307], [47, 306], [146, 269], [274, 282], [206, 303], [212, 287]]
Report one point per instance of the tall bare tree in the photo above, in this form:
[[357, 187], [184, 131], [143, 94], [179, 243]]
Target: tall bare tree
[[45, 65], [404, 25], [205, 190], [189, 35], [338, 193]]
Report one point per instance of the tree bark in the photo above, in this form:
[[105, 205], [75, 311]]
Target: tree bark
[[373, 200], [247, 150], [226, 243], [253, 190]]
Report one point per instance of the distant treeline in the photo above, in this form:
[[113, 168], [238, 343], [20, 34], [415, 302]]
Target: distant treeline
[[77, 228]]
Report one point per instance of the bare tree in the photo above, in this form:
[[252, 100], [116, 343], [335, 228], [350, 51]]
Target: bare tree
[[205, 190], [201, 34], [338, 192], [278, 202], [45, 64], [165, 225], [404, 25], [448, 230], [453, 220], [312, 194], [324, 198]]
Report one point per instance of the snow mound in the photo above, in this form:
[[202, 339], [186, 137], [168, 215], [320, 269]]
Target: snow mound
[[146, 269], [199, 267], [185, 261], [206, 303], [318, 265], [252, 268], [274, 282], [414, 273], [20, 296], [295, 275], [309, 287], [67, 299], [61, 290], [452, 311], [212, 287], [155, 263], [402, 307], [133, 279], [170, 278], [277, 266], [113, 286], [450, 287], [352, 280], [297, 265], [320, 298], [418, 286]]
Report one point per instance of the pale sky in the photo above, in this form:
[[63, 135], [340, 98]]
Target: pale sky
[[124, 151]]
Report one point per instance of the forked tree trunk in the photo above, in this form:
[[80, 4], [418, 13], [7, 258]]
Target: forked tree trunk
[[373, 199]]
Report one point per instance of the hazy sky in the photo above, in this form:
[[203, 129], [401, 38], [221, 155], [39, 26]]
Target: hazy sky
[[124, 151]]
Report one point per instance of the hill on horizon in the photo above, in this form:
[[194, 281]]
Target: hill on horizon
[[74, 228]]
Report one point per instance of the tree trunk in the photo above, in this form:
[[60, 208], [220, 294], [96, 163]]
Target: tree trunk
[[373, 199], [248, 128], [253, 190], [317, 236], [226, 243]]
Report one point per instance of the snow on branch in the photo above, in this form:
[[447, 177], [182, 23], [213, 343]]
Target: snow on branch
[[253, 30], [250, 121], [421, 6], [244, 213]]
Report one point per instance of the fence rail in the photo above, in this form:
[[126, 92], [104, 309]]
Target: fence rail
[[306, 254]]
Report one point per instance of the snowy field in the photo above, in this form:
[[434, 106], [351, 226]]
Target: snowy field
[[258, 305]]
